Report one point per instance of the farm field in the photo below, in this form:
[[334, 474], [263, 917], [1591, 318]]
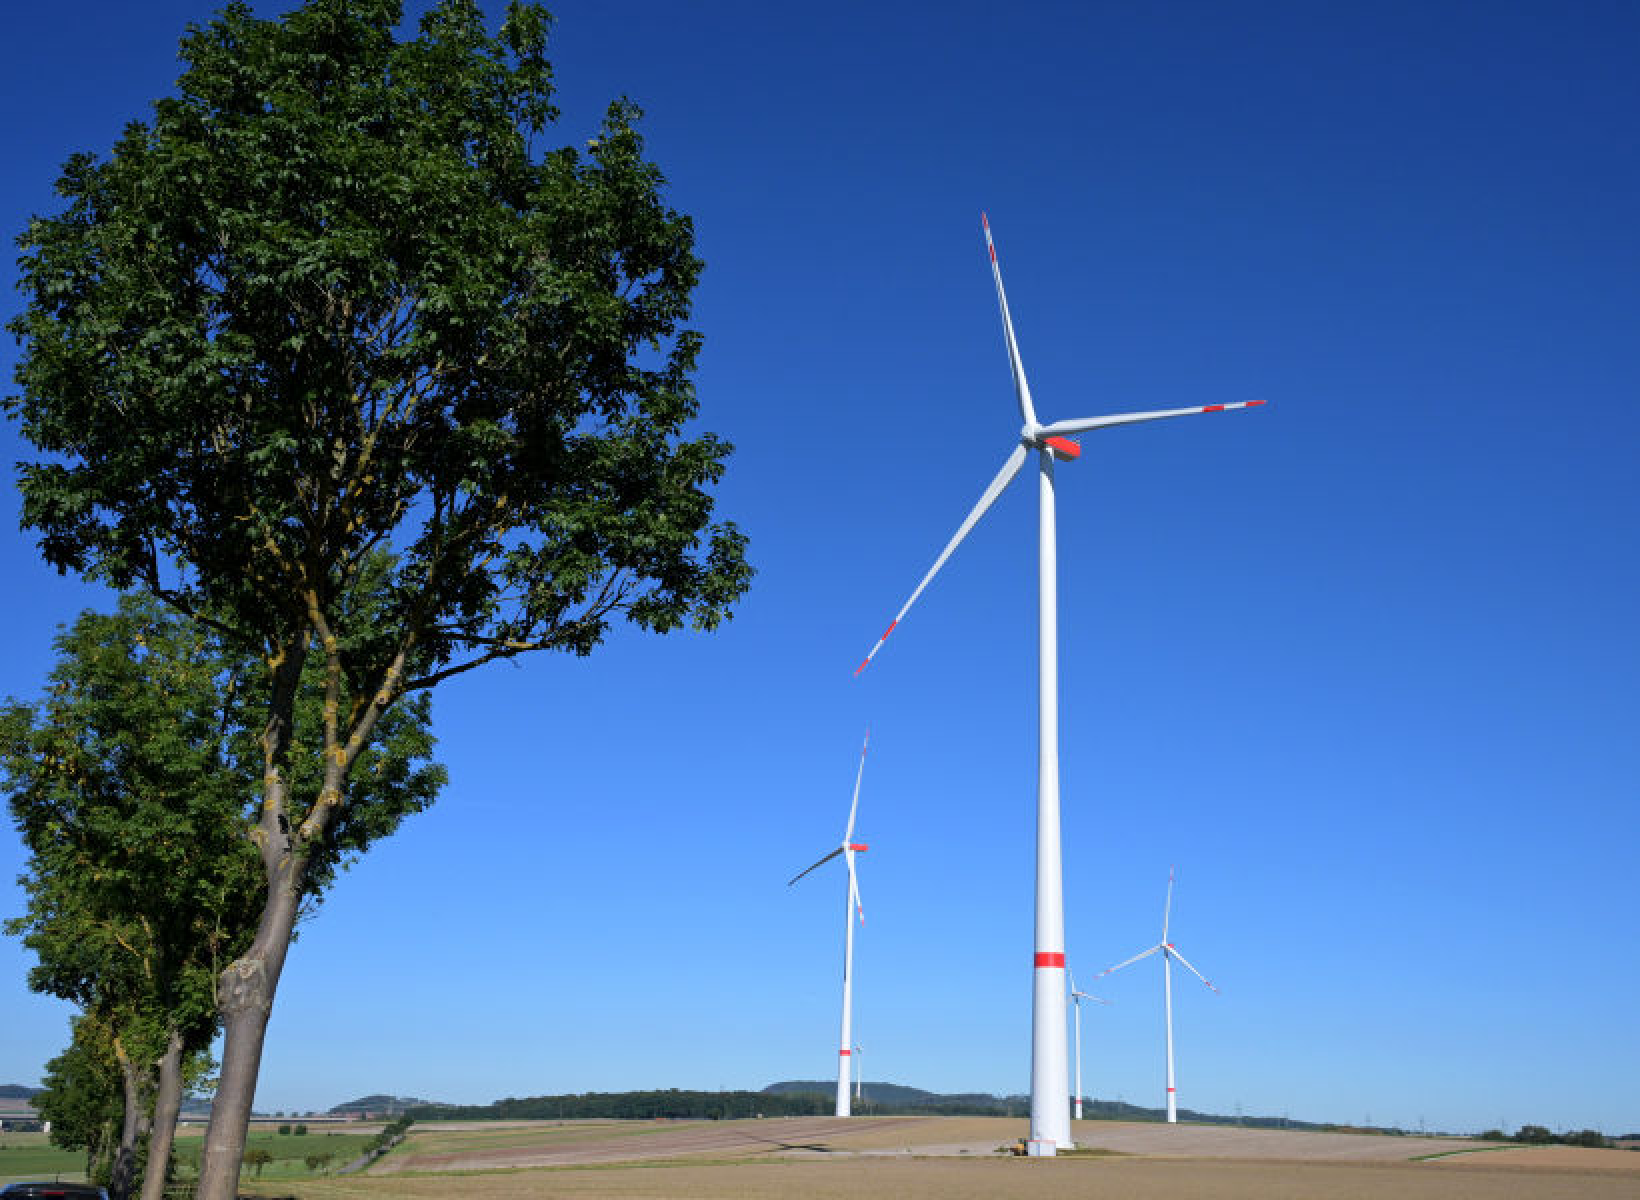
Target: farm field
[[572, 1143], [30, 1156], [914, 1158], [910, 1158]]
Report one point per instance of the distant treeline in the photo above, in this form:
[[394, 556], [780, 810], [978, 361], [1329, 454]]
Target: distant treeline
[[639, 1105], [899, 1100], [799, 1098], [1541, 1135]]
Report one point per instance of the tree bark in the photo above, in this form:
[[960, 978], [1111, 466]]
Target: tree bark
[[245, 999], [245, 991], [132, 1128], [167, 1104]]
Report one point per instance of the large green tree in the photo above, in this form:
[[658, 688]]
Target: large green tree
[[82, 1097], [135, 783], [336, 298]]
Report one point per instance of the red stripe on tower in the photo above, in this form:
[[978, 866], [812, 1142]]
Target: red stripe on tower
[[1050, 958], [843, 1053]]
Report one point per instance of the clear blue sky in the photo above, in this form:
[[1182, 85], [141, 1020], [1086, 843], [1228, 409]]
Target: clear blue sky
[[1363, 662]]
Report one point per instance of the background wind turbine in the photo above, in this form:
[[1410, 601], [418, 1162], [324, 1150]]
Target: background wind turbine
[[1078, 997], [1169, 953], [848, 849], [1050, 1085], [859, 1071]]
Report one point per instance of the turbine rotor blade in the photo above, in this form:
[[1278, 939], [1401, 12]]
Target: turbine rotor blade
[[1167, 910], [1022, 390], [1185, 962], [854, 889], [821, 863], [1084, 424], [1128, 962], [848, 834], [1004, 477]]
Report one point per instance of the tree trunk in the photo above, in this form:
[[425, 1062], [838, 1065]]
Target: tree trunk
[[245, 1000], [132, 1128], [244, 992], [167, 1104]]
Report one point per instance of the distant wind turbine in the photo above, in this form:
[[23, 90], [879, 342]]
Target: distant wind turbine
[[1169, 953], [1078, 997], [1050, 1114], [848, 849]]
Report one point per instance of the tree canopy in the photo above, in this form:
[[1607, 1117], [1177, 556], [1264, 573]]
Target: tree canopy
[[331, 300]]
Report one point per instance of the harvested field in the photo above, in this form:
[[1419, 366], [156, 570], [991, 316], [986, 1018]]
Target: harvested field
[[576, 1142], [1581, 1158], [1229, 1141], [991, 1178], [954, 1158], [570, 1143]]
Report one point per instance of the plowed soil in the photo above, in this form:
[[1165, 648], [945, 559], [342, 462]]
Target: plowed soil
[[932, 1158]]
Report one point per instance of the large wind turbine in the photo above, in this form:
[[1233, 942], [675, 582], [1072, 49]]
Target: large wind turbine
[[1078, 997], [1169, 953], [1050, 1087], [848, 849]]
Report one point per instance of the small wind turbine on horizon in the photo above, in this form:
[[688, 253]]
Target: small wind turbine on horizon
[[1078, 997], [848, 849], [1169, 953], [1050, 1126]]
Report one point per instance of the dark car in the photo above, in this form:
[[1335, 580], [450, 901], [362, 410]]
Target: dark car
[[53, 1191]]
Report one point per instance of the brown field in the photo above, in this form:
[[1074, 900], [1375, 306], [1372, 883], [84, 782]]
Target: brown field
[[953, 1158]]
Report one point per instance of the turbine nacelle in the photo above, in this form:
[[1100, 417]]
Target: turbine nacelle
[[1033, 435]]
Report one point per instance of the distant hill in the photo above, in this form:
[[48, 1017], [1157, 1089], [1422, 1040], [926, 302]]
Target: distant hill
[[896, 1098], [901, 1098], [380, 1104], [18, 1091]]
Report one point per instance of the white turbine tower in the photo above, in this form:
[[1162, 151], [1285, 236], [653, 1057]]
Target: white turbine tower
[[1050, 1087], [848, 849], [1078, 997], [1169, 953]]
